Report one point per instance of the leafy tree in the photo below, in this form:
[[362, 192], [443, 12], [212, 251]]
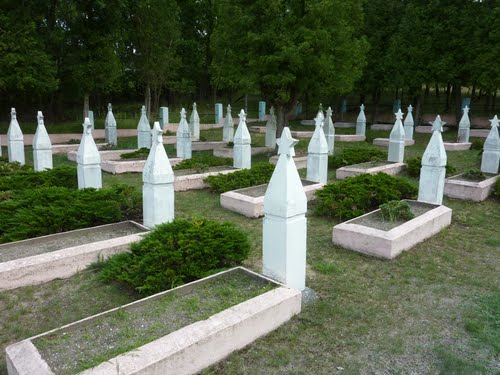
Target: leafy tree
[[286, 48]]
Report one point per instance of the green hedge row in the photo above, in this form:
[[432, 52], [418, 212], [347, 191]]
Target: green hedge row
[[260, 173], [350, 156], [26, 178]]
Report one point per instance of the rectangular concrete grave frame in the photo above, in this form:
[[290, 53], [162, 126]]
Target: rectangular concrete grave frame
[[257, 129], [384, 142], [129, 165], [457, 188], [344, 125], [457, 146], [227, 152], [65, 259], [196, 180], [427, 129], [389, 244], [388, 167], [187, 350], [105, 154], [244, 202], [206, 146], [66, 148], [382, 126], [300, 161]]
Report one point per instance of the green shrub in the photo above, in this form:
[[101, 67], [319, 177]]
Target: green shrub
[[7, 168], [351, 156], [259, 174], [176, 253], [496, 190], [141, 153], [203, 161], [477, 144], [64, 176], [414, 165], [37, 212], [474, 175], [107, 146], [357, 195], [396, 211]]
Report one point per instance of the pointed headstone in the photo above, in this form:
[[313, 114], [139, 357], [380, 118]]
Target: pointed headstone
[[262, 111], [464, 126], [271, 129], [88, 160], [409, 123], [361, 121], [397, 140], [242, 151], [285, 225], [433, 172], [15, 140], [194, 124], [320, 113], [158, 183], [42, 146], [143, 130], [491, 152], [91, 118], [218, 112], [228, 129], [110, 127], [329, 130], [183, 137], [163, 117], [317, 155]]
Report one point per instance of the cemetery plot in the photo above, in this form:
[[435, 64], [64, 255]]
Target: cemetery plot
[[227, 152], [191, 179], [457, 146], [344, 125], [105, 155], [300, 161], [204, 146], [129, 165], [427, 129], [384, 142], [466, 188], [381, 126], [372, 235], [61, 255], [387, 167], [250, 201], [182, 330]]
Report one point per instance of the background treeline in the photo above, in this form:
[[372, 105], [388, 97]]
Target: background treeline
[[61, 55]]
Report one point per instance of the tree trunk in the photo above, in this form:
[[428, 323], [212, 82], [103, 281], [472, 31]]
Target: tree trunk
[[426, 90], [376, 100], [85, 105], [448, 91], [147, 100], [437, 90], [418, 105], [246, 103], [458, 105], [493, 99], [280, 119]]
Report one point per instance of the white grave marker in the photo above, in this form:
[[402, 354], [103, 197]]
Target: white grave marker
[[183, 136], [329, 130], [433, 172], [361, 121], [397, 140], [158, 187], [88, 160], [271, 129], [42, 146], [15, 140], [317, 154], [464, 126], [242, 151], [143, 130], [409, 123], [110, 127], [194, 124], [228, 129], [285, 224], [491, 151]]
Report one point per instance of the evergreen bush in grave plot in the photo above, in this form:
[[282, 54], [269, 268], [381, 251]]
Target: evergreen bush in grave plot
[[259, 174], [414, 165], [37, 212], [176, 253], [198, 161], [351, 156], [357, 195], [26, 178]]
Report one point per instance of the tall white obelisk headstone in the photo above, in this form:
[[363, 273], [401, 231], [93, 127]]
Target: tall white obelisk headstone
[[409, 123], [183, 136], [143, 130], [329, 130], [15, 140], [88, 160], [491, 151], [194, 124], [228, 129], [110, 127], [317, 155], [361, 121], [242, 151], [42, 146], [397, 140], [271, 129]]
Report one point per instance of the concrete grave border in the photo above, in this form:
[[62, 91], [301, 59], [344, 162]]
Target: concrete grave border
[[187, 350], [300, 161], [66, 148], [196, 181], [469, 190], [384, 142], [105, 154], [206, 146], [227, 152], [129, 166], [381, 126], [391, 243], [61, 263], [253, 207], [457, 146], [352, 170], [344, 125]]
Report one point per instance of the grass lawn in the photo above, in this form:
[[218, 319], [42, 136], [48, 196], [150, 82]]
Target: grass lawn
[[433, 310]]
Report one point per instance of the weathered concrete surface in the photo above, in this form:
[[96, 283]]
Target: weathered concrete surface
[[381, 127], [427, 129], [129, 166], [352, 170], [457, 146], [469, 190], [343, 125], [253, 207], [205, 146], [65, 149], [349, 138], [384, 142], [257, 129], [195, 181], [300, 161], [389, 244], [227, 152], [60, 263], [105, 155]]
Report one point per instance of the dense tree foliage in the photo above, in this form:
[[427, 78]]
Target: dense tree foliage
[[65, 52]]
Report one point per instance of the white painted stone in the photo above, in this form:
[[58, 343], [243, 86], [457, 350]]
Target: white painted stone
[[285, 225], [183, 145], [158, 187], [262, 110], [361, 121], [365, 168], [164, 118], [15, 140], [271, 129], [329, 130], [433, 172], [143, 130], [42, 147], [464, 127], [242, 150], [397, 140], [409, 123], [194, 124], [317, 155], [88, 160], [491, 152], [320, 114], [110, 127], [218, 113], [91, 118], [455, 187], [228, 129]]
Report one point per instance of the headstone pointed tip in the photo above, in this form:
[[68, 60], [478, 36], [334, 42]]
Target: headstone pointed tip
[[495, 122], [286, 143]]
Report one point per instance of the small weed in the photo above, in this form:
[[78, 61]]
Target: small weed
[[396, 210]]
